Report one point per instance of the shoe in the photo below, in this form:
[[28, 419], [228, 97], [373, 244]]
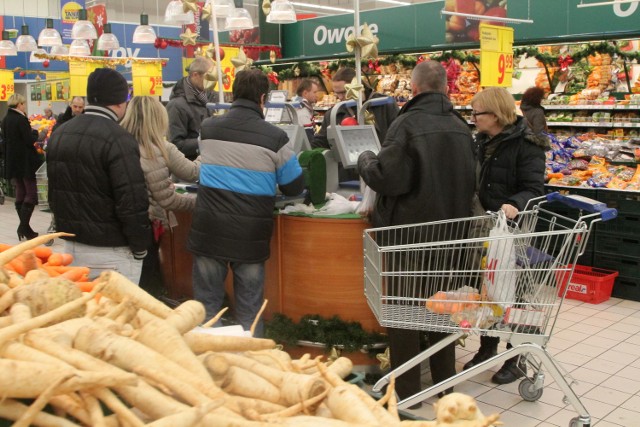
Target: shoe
[[510, 371], [480, 357], [24, 229]]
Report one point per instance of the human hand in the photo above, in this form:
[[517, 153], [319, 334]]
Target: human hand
[[510, 211]]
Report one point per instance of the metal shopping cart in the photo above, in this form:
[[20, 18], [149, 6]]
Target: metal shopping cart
[[460, 278], [42, 185]]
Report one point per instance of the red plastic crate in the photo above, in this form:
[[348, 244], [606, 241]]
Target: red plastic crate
[[588, 284]]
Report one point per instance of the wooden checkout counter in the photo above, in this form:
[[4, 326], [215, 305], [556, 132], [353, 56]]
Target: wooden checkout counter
[[316, 267]]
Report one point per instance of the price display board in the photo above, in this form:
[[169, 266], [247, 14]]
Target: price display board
[[78, 74], [6, 84], [147, 79], [496, 55]]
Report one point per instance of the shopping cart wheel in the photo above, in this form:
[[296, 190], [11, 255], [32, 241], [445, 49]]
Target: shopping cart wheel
[[575, 422], [528, 390]]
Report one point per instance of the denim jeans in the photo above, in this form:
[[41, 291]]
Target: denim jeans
[[100, 259], [248, 288]]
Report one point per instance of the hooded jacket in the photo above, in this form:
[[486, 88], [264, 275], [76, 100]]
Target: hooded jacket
[[535, 117], [514, 173], [186, 113], [425, 169]]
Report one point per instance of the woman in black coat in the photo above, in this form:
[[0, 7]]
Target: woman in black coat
[[22, 161], [533, 110], [510, 173]]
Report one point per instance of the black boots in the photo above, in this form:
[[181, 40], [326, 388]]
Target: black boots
[[509, 372], [488, 349], [25, 210]]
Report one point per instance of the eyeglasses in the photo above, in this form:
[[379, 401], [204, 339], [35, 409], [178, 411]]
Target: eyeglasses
[[480, 113], [343, 92]]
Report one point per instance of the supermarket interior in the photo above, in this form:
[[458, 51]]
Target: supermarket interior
[[546, 260]]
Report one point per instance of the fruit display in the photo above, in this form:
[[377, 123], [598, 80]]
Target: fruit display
[[460, 29]]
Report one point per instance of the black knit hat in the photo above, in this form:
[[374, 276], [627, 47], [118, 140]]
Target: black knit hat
[[106, 87]]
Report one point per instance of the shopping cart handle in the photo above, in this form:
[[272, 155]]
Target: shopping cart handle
[[584, 204]]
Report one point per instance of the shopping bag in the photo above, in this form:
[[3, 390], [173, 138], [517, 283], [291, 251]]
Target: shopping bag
[[500, 275], [368, 200]]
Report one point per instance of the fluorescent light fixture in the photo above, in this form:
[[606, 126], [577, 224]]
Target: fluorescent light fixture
[[26, 42], [7, 47], [144, 33], [83, 29], [472, 16], [317, 6], [79, 48], [606, 3], [107, 40], [401, 3], [49, 36]]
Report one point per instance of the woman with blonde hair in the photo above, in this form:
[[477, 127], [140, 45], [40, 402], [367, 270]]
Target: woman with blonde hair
[[511, 165], [147, 120], [22, 161]]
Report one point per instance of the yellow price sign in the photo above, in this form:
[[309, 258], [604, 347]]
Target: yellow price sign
[[147, 79], [78, 74], [6, 85], [496, 55]]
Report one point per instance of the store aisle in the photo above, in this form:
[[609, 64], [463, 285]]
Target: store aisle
[[598, 344]]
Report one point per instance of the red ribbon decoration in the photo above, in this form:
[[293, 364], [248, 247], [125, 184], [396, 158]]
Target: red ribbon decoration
[[375, 66], [273, 77], [564, 62]]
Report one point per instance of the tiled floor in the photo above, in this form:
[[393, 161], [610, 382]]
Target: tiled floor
[[598, 344]]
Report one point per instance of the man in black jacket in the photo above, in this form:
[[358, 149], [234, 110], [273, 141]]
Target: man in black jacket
[[187, 107], [97, 189], [73, 110], [424, 172], [243, 159]]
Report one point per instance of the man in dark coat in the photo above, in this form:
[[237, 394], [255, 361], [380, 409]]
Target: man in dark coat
[[97, 189], [187, 107], [243, 159], [424, 172], [73, 110]]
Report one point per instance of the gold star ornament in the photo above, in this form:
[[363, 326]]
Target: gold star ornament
[[189, 5], [188, 38], [211, 77], [241, 62], [206, 12], [368, 43], [353, 89], [266, 7], [384, 359], [272, 56]]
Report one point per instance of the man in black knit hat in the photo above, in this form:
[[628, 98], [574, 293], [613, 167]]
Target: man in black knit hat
[[96, 185]]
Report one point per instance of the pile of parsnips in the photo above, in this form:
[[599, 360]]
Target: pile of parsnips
[[119, 348]]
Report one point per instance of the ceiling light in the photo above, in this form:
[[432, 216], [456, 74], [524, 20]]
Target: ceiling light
[[26, 42], [79, 48], [7, 48], [606, 3], [317, 6], [107, 40], [175, 14], [34, 58], [473, 17], [144, 33], [282, 12], [223, 8], [59, 50], [83, 29], [401, 3], [49, 36], [239, 19]]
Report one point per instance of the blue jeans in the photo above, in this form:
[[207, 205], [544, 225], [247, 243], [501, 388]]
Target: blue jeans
[[248, 288]]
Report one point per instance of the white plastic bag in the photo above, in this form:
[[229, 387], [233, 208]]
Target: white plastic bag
[[500, 274], [337, 205], [368, 200]]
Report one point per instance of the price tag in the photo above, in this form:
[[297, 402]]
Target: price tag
[[496, 55], [147, 79], [6, 85], [78, 74]]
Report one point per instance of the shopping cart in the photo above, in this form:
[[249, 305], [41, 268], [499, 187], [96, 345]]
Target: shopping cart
[[42, 185], [436, 277]]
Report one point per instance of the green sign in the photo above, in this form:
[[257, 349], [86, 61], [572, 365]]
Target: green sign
[[420, 27]]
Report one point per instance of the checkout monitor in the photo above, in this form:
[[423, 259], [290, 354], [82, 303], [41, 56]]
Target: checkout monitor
[[298, 140], [354, 140]]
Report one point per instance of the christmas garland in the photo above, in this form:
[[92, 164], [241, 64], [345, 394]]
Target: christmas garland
[[576, 56], [163, 43]]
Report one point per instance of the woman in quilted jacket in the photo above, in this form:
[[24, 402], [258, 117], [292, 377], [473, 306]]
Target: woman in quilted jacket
[[146, 119]]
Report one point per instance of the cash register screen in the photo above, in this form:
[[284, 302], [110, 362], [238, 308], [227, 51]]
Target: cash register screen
[[353, 140]]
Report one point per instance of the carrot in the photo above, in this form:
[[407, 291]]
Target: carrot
[[16, 250], [85, 286], [118, 287], [76, 273], [42, 252], [55, 259], [4, 247], [201, 343], [17, 265], [67, 259], [50, 270]]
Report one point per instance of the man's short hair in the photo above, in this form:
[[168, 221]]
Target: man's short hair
[[200, 65], [305, 85], [81, 98], [250, 85], [430, 76], [344, 75]]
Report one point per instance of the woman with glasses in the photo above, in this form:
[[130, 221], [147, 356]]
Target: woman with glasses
[[510, 173], [22, 161]]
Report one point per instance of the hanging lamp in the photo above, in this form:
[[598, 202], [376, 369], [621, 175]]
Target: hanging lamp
[[25, 42], [79, 48], [282, 12], [7, 48], [59, 50], [223, 8], [239, 19], [144, 33], [49, 36], [175, 14], [83, 29], [38, 51], [108, 40]]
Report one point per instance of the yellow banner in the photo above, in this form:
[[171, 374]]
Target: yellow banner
[[78, 74], [59, 85], [227, 67], [147, 79], [496, 55], [6, 85]]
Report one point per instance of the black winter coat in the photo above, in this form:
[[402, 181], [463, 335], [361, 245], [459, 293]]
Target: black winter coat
[[21, 158], [514, 174], [186, 113], [425, 169], [63, 118], [535, 117], [243, 159], [97, 189]]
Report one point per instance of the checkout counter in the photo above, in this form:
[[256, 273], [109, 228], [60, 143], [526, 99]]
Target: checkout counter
[[316, 264]]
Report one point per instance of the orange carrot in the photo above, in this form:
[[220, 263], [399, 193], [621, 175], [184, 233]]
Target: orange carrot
[[55, 259], [43, 252], [67, 259], [51, 271], [85, 286], [4, 247], [74, 274]]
